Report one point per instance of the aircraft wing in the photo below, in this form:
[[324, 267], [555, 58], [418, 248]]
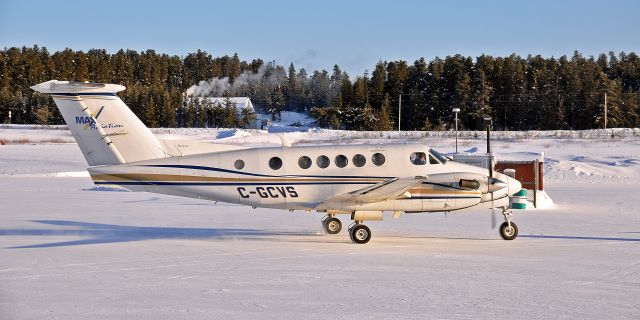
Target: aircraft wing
[[386, 190]]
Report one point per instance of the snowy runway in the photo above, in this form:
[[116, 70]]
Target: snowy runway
[[71, 252]]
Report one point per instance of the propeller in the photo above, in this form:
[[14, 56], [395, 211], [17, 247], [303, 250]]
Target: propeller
[[489, 182], [488, 122]]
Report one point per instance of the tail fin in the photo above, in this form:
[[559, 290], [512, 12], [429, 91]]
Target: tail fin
[[104, 127]]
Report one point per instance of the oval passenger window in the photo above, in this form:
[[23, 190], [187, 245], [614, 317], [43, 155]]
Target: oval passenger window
[[275, 163], [323, 161], [239, 164], [304, 162], [359, 160], [341, 161], [378, 159]]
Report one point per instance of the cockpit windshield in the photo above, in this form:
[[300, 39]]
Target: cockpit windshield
[[438, 156]]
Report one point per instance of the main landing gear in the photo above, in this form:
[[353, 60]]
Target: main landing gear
[[331, 224], [358, 232], [508, 229]]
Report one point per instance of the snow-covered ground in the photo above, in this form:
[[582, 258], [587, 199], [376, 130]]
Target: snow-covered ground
[[69, 250]]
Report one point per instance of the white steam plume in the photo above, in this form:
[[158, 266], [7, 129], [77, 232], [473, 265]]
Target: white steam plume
[[218, 87]]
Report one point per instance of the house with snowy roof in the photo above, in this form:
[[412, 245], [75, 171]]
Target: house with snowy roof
[[240, 104]]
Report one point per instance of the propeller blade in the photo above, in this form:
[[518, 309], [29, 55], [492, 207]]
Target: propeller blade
[[489, 180], [494, 222], [493, 213]]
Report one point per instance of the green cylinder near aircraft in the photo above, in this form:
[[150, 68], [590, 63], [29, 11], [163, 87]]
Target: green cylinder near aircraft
[[519, 200]]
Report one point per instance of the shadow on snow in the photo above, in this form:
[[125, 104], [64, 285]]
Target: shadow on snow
[[96, 233], [109, 233]]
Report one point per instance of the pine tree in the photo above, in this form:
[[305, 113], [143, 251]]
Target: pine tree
[[346, 91], [384, 118], [360, 92], [376, 85], [368, 120], [81, 72], [169, 110], [292, 88], [335, 86], [151, 112], [480, 100], [618, 113], [42, 114], [277, 104]]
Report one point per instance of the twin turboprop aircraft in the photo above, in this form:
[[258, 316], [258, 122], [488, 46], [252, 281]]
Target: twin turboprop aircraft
[[360, 181]]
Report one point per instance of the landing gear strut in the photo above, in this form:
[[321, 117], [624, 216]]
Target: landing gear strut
[[359, 233], [331, 224], [508, 229]]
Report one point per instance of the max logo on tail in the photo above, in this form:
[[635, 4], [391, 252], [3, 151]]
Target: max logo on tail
[[89, 122]]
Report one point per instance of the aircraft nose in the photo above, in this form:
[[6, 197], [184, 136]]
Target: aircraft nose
[[514, 185], [496, 184]]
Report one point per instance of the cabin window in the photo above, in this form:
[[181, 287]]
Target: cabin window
[[304, 162], [418, 158], [439, 156], [341, 161], [378, 159], [359, 160], [239, 164], [432, 160], [323, 161], [275, 163]]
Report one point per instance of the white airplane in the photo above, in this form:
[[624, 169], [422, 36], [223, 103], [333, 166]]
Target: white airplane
[[361, 181]]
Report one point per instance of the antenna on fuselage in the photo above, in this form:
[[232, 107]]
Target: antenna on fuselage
[[285, 142]]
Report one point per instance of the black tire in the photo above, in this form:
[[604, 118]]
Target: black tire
[[332, 225], [508, 233], [360, 234]]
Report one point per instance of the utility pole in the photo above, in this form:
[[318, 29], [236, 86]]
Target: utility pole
[[605, 110], [399, 110], [488, 123], [456, 110]]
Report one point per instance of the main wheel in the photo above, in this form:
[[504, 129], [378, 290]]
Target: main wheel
[[360, 234], [332, 225], [508, 232]]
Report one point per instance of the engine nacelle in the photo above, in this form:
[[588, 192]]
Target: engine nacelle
[[469, 184], [367, 216]]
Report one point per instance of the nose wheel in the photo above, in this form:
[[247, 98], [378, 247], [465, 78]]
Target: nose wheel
[[508, 230], [332, 225], [359, 233]]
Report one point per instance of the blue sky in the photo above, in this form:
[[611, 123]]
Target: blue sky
[[318, 34]]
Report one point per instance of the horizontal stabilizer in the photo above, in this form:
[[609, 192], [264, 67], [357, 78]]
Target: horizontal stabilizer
[[55, 86]]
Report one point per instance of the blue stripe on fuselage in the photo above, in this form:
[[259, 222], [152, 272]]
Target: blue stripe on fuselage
[[232, 184], [256, 174], [84, 94], [443, 197]]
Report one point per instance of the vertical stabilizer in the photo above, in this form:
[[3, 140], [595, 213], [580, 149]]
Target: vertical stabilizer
[[104, 127]]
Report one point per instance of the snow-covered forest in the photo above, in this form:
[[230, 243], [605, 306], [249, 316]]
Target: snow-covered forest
[[520, 93]]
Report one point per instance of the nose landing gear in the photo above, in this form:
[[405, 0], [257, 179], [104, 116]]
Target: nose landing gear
[[508, 230]]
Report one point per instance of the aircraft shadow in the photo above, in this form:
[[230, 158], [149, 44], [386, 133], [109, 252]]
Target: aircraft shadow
[[578, 237], [96, 233]]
